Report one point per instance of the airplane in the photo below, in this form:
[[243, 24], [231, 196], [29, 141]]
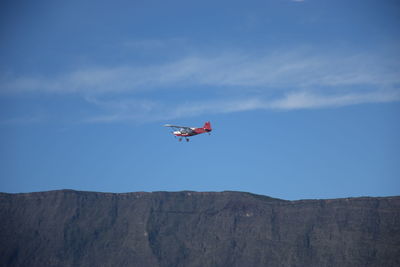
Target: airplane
[[184, 131]]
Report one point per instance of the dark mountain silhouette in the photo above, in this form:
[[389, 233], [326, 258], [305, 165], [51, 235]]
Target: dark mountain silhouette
[[72, 228]]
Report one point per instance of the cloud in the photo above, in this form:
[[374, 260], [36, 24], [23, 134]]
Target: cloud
[[123, 110], [142, 110], [270, 72], [227, 82], [305, 100]]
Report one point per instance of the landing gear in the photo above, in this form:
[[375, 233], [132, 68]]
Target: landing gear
[[180, 139], [187, 139]]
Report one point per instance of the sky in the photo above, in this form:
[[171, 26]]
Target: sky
[[303, 96]]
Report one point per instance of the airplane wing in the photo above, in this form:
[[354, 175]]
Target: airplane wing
[[176, 126]]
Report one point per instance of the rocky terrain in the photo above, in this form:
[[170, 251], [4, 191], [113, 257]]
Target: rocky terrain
[[72, 228]]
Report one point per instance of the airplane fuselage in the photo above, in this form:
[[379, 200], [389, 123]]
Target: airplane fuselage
[[191, 132], [186, 132]]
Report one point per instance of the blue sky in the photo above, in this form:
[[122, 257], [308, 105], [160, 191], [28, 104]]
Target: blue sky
[[304, 96]]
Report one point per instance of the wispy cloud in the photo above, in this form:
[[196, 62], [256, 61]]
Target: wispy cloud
[[283, 80], [124, 110], [142, 110], [305, 100], [230, 70]]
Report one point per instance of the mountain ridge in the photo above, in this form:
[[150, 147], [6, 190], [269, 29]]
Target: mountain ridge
[[189, 228], [190, 191]]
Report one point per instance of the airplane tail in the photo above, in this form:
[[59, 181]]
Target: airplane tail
[[207, 126]]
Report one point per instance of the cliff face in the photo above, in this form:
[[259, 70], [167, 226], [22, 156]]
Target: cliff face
[[70, 228]]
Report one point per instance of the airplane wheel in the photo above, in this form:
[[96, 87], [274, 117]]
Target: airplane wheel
[[180, 139], [187, 140]]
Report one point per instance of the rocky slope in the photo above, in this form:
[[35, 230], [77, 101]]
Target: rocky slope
[[72, 228]]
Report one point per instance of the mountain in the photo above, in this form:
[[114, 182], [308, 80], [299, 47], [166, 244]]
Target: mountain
[[73, 228]]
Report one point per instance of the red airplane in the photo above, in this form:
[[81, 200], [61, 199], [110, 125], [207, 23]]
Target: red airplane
[[184, 131]]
